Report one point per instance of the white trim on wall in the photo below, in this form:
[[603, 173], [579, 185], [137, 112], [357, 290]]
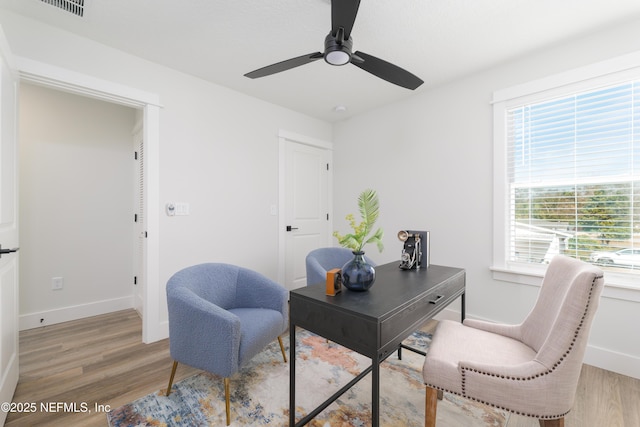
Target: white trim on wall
[[70, 81], [621, 64], [600, 74], [625, 364], [307, 140], [153, 327], [50, 317]]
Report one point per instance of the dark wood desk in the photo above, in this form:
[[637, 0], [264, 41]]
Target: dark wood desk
[[372, 323]]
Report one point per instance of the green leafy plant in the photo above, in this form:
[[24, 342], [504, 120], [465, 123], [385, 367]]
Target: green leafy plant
[[369, 211]]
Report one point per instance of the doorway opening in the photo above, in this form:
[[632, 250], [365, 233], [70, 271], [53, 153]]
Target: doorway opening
[[154, 326], [75, 206]]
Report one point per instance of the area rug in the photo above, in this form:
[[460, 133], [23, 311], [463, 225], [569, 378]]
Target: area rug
[[260, 393]]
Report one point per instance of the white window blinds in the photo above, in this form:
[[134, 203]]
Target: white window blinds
[[574, 177]]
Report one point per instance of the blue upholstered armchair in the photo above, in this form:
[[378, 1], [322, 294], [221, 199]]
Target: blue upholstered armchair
[[220, 316], [321, 260]]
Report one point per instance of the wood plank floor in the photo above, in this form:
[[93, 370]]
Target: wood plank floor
[[102, 361]]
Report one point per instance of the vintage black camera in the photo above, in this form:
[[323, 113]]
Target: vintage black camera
[[415, 253]]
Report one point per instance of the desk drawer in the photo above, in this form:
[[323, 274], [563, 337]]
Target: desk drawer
[[398, 326], [349, 330]]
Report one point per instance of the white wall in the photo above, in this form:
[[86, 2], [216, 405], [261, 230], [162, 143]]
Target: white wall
[[218, 151], [76, 204], [430, 158]]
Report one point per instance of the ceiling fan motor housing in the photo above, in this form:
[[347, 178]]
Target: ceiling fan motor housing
[[337, 51]]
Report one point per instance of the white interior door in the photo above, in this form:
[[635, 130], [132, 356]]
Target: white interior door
[[8, 227], [307, 207]]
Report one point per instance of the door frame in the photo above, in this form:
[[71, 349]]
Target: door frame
[[31, 71], [283, 137]]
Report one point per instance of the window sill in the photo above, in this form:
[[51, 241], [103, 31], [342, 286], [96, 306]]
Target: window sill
[[617, 286]]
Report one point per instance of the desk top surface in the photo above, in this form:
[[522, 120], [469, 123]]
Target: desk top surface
[[393, 289]]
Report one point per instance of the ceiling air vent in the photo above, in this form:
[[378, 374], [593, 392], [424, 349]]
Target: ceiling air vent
[[72, 6]]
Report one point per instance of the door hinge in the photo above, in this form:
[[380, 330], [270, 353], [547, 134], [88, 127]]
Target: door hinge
[[135, 280], [327, 166], [135, 155], [135, 217], [327, 217]]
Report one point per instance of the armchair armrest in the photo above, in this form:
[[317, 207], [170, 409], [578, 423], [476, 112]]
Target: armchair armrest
[[217, 332], [253, 290], [510, 331], [316, 273]]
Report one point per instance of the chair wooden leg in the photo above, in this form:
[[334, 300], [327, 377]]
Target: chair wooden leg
[[173, 374], [552, 423], [284, 354], [227, 404], [430, 408]]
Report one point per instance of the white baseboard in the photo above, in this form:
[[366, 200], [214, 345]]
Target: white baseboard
[[448, 314], [75, 312], [625, 364], [163, 332]]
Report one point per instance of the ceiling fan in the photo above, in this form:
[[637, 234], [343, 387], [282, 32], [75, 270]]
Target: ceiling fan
[[337, 51]]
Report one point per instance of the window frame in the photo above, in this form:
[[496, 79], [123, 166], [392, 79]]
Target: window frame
[[613, 71]]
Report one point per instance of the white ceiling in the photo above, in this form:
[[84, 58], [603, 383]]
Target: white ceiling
[[438, 40]]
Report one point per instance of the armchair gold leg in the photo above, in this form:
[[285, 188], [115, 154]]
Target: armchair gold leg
[[284, 354], [226, 400], [430, 407], [173, 373]]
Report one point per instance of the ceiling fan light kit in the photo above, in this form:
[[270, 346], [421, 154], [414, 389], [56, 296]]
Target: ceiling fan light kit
[[338, 51]]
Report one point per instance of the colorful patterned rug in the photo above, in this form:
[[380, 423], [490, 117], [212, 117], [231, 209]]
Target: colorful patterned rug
[[260, 393]]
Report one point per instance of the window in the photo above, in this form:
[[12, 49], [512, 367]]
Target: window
[[568, 161]]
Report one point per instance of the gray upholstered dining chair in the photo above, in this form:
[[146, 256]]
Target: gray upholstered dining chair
[[221, 316], [321, 260], [531, 369]]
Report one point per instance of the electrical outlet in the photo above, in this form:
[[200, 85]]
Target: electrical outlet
[[57, 283]]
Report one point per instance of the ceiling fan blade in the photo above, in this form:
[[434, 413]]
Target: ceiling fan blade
[[385, 70], [343, 14], [284, 65]]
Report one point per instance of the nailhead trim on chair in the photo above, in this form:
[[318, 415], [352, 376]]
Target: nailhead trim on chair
[[541, 417], [548, 371]]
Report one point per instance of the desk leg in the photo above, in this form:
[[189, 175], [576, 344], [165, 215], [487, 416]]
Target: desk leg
[[375, 391], [292, 374], [462, 305]]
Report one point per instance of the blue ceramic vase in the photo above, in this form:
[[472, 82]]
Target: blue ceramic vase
[[357, 274]]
